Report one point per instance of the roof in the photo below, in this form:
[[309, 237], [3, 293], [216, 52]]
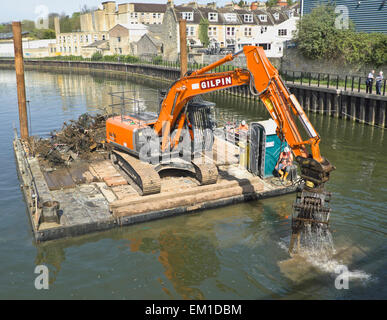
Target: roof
[[282, 15], [149, 7], [130, 26], [9, 35], [96, 44], [183, 8]]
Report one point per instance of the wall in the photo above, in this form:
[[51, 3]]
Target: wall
[[239, 61], [170, 36], [145, 47], [368, 16], [7, 50], [294, 61], [361, 107]]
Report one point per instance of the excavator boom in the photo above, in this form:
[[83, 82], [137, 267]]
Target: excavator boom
[[264, 81]]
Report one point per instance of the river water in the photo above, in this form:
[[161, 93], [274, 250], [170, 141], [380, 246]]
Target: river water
[[236, 252]]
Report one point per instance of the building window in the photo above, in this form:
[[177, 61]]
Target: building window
[[75, 49], [230, 31], [95, 37], [265, 46], [282, 32], [118, 39], [190, 31], [276, 15], [187, 16], [263, 29], [212, 31], [159, 15], [81, 38], [69, 49], [230, 17], [154, 16], [120, 50], [103, 37], [248, 17], [262, 17], [212, 16], [247, 32]]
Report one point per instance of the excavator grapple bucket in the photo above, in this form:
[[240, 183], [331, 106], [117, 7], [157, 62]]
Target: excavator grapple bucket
[[310, 209]]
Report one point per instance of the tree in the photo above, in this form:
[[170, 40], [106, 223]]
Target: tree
[[271, 3], [241, 3], [290, 2], [203, 32], [319, 38]]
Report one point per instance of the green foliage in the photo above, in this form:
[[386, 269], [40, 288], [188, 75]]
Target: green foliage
[[318, 38], [241, 3], [69, 24], [97, 56], [271, 3], [157, 59], [130, 59], [203, 32], [111, 57], [47, 34], [4, 28], [290, 2]]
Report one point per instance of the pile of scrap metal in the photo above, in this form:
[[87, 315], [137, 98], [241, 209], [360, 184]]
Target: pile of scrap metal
[[76, 140]]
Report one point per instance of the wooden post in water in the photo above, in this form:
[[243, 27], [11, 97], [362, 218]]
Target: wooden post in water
[[21, 89], [183, 47]]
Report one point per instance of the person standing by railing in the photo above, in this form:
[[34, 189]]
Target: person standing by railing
[[370, 81], [379, 80]]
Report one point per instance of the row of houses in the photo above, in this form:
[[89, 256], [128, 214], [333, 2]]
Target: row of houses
[[152, 28]]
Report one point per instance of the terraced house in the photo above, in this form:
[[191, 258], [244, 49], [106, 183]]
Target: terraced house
[[115, 29], [232, 27]]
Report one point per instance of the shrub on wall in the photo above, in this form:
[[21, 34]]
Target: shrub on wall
[[97, 56], [157, 59], [203, 32]]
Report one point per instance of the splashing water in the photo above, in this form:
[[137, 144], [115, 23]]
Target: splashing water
[[318, 250]]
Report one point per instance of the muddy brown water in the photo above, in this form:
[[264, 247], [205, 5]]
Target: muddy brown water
[[235, 252]]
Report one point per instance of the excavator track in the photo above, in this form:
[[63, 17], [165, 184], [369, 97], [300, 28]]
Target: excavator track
[[206, 173], [141, 175]]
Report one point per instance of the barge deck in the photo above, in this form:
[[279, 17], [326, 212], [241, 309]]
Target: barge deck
[[95, 196]]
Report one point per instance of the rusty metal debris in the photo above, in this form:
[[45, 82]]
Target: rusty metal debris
[[78, 139]]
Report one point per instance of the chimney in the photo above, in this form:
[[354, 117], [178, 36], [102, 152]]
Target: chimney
[[193, 4], [109, 6], [211, 5], [254, 6], [56, 25]]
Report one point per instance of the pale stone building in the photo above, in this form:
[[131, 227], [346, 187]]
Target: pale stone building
[[141, 13], [123, 35]]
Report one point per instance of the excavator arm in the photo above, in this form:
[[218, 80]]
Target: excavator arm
[[265, 82], [311, 205]]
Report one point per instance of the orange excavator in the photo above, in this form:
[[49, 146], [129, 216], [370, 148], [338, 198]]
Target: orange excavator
[[141, 141]]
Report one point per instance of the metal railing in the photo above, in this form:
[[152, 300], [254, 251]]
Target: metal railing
[[350, 83]]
